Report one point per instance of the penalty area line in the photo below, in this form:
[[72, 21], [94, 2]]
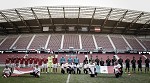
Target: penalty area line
[[68, 79]]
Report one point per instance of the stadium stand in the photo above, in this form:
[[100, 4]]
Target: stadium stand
[[119, 43], [145, 42], [134, 43], [87, 42], [39, 41], [103, 41], [71, 40], [23, 41], [55, 42], [8, 42]]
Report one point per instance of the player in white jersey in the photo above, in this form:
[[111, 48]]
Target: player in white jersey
[[36, 72], [117, 70], [6, 72], [92, 69], [63, 67]]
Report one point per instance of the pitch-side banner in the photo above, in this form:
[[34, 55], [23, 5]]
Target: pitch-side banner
[[20, 71], [105, 69]]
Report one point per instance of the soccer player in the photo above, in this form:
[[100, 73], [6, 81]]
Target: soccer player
[[6, 72], [40, 62], [26, 62], [97, 60], [120, 61], [139, 62], [17, 61], [31, 62], [69, 68], [36, 72], [85, 61], [78, 69], [108, 61], [147, 61], [127, 61], [62, 60], [70, 60], [76, 60], [113, 60], [74, 68], [91, 58], [12, 63], [55, 62], [22, 60], [85, 67], [63, 66], [117, 69], [36, 59], [92, 69], [133, 62], [45, 60], [102, 62], [7, 62]]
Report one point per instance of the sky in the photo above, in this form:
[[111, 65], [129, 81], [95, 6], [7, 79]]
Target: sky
[[140, 5]]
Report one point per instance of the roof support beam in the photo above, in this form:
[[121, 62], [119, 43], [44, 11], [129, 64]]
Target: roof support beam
[[50, 17], [78, 16], [22, 19], [145, 25], [134, 21], [10, 22], [106, 18], [64, 16], [119, 21], [92, 17], [36, 18]]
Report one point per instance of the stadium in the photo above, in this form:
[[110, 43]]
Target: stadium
[[75, 31]]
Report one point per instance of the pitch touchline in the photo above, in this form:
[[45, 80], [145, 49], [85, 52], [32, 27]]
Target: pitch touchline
[[68, 79]]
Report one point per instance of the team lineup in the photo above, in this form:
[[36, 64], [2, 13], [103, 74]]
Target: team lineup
[[72, 65]]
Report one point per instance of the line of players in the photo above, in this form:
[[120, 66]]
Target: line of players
[[111, 62], [25, 62], [127, 63], [42, 62]]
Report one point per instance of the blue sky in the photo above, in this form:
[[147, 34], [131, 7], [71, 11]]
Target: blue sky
[[140, 5]]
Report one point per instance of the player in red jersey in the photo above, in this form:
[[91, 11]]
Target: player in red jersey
[[17, 61], [12, 63], [22, 62], [7, 61], [35, 62], [31, 61], [26, 62], [55, 62], [40, 63], [45, 61]]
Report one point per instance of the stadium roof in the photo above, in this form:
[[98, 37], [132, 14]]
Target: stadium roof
[[110, 20]]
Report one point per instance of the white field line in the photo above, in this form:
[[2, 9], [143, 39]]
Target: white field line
[[68, 79]]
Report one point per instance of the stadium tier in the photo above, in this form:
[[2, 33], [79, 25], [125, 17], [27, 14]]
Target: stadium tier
[[71, 41], [54, 42], [103, 41], [85, 42]]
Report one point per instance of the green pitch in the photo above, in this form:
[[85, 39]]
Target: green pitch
[[74, 78]]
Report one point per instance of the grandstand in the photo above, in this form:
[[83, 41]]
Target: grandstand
[[84, 29]]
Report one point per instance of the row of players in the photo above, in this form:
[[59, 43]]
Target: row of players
[[133, 62], [42, 62]]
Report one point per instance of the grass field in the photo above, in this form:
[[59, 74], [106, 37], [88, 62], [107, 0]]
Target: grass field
[[74, 78]]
